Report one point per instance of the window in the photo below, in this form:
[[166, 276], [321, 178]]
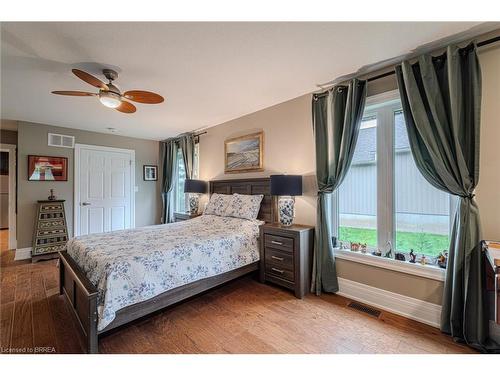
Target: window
[[180, 177], [422, 217], [384, 200], [180, 201], [358, 192]]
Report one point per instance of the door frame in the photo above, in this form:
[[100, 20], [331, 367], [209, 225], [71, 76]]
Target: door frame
[[11, 149], [76, 180]]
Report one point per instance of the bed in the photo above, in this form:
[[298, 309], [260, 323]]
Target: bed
[[111, 279]]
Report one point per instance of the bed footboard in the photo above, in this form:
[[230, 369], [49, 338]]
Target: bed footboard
[[82, 296]]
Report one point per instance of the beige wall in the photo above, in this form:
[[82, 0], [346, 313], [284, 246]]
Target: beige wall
[[32, 140], [393, 281], [289, 148], [488, 189]]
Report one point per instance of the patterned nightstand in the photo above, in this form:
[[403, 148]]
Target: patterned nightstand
[[181, 216], [51, 233], [286, 256]]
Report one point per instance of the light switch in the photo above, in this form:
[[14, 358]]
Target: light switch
[[136, 189]]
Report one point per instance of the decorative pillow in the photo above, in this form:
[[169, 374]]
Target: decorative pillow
[[217, 204], [244, 206]]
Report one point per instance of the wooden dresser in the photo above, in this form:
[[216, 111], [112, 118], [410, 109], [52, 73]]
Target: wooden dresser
[[492, 253], [51, 232], [286, 256]]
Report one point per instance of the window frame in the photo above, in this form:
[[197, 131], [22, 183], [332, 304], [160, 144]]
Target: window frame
[[384, 106]]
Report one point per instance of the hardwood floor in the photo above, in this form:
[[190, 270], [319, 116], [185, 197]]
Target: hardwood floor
[[243, 316], [4, 239]]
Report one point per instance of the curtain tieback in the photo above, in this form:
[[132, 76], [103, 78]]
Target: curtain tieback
[[326, 191], [468, 196]]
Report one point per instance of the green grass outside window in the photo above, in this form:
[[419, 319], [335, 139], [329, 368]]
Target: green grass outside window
[[421, 242]]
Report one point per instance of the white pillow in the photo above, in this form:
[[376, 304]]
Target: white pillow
[[244, 206], [217, 204]]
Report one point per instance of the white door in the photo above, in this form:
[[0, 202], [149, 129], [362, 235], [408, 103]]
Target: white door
[[104, 193], [8, 201]]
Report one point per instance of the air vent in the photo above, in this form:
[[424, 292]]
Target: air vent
[[61, 140], [364, 309]]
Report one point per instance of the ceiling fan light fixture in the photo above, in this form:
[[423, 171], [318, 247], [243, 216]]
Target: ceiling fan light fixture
[[110, 95], [110, 99]]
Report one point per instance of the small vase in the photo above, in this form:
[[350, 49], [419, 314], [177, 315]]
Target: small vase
[[286, 210], [193, 203]]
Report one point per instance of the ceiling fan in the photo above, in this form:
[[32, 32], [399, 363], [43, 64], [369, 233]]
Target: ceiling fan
[[110, 95]]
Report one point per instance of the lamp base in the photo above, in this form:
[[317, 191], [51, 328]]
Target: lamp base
[[286, 210], [194, 201]]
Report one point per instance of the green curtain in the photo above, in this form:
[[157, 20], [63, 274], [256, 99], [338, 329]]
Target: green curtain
[[441, 98], [186, 144], [337, 116], [168, 165]]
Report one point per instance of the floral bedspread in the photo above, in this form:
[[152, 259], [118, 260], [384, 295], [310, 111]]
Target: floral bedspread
[[133, 265]]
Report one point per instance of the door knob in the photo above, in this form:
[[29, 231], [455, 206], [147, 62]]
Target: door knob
[[85, 203]]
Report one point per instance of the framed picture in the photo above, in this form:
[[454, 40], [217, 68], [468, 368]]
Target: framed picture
[[244, 154], [150, 173], [47, 168]]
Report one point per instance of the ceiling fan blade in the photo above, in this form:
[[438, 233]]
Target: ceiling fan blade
[[90, 79], [74, 93], [126, 107], [145, 97]]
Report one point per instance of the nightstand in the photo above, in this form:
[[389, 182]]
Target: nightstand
[[286, 256], [181, 216]]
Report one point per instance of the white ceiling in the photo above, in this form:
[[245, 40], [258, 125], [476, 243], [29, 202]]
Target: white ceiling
[[208, 73]]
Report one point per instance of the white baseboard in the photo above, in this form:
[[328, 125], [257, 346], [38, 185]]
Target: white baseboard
[[412, 308], [421, 311], [22, 254]]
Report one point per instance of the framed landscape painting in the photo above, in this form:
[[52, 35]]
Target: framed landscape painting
[[244, 154], [47, 168]]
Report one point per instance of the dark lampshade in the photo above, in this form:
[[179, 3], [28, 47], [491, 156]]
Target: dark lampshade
[[195, 186], [282, 184]]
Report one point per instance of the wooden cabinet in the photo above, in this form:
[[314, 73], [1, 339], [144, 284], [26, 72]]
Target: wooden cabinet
[[181, 216], [51, 232], [286, 256], [491, 251]]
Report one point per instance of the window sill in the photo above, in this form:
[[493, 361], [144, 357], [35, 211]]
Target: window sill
[[429, 272]]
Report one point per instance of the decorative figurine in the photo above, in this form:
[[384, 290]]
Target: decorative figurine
[[343, 245], [443, 259], [388, 254], [423, 260], [377, 253], [334, 241], [400, 256], [413, 257], [362, 247], [51, 197], [354, 246]]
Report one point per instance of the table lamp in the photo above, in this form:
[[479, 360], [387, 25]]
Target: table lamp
[[286, 187], [194, 188]]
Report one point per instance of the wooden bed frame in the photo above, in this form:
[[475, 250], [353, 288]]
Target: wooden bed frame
[[82, 295]]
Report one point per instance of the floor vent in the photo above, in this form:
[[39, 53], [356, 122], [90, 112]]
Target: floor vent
[[365, 309]]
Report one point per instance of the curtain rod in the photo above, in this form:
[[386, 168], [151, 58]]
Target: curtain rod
[[392, 72], [197, 135], [179, 136]]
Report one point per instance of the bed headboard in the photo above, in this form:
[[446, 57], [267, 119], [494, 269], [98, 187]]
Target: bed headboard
[[250, 186]]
